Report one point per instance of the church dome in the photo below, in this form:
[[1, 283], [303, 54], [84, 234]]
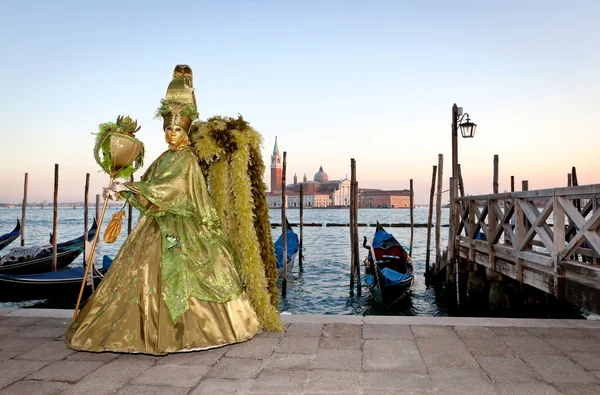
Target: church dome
[[321, 176]]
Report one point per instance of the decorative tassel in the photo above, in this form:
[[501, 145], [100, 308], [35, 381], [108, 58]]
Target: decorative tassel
[[114, 227]]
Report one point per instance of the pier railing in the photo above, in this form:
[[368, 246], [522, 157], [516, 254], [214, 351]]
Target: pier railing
[[548, 239]]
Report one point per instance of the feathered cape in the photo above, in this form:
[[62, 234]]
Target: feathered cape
[[230, 157]]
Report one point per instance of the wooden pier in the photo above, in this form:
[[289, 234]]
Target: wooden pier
[[548, 239]]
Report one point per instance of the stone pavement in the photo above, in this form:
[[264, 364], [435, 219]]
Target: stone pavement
[[318, 354]]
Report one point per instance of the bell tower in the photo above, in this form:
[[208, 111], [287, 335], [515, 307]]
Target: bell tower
[[276, 169]]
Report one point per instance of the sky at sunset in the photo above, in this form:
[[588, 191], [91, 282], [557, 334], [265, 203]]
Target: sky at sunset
[[334, 80]]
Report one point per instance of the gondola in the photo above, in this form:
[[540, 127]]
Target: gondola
[[67, 252], [292, 249], [10, 237], [61, 285], [389, 275]]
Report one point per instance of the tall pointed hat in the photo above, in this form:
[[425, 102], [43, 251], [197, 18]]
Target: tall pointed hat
[[179, 105]]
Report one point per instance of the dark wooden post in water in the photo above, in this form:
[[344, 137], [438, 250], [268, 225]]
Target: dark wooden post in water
[[524, 185], [129, 213], [85, 216], [351, 220], [301, 226], [461, 184], [412, 218], [283, 228], [98, 209], [55, 218], [512, 184], [438, 214], [24, 209], [429, 223], [356, 247], [495, 184]]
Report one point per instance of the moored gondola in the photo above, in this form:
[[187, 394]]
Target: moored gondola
[[292, 249], [61, 285], [41, 261], [10, 237], [389, 269]]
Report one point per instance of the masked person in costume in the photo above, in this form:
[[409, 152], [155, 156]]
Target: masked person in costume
[[175, 284]]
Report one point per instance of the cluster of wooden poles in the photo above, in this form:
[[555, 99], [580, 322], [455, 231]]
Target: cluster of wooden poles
[[55, 213]]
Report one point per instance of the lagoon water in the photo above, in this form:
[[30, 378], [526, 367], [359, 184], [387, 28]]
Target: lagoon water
[[322, 287]]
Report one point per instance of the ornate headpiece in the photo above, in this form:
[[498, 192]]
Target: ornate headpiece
[[179, 105]]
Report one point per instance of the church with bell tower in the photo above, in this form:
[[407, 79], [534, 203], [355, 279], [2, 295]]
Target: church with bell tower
[[276, 169]]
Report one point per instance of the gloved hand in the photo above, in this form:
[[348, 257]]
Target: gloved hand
[[112, 192]]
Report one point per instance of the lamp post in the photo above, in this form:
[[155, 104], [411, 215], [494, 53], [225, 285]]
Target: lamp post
[[467, 129]]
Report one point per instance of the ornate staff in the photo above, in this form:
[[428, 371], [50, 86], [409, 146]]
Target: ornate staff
[[122, 155]]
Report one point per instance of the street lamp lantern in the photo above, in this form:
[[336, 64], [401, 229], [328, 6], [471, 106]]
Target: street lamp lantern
[[467, 128]]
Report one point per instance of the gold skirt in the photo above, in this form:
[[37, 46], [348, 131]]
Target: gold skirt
[[127, 312]]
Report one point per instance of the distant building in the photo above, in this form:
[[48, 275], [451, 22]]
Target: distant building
[[323, 192], [379, 198]]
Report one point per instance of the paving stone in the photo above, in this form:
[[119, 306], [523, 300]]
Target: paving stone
[[287, 361], [172, 375], [398, 355], [222, 386], [257, 348], [509, 331], [48, 351], [93, 356], [140, 357], [528, 345], [279, 381], [57, 323], [433, 332], [474, 332], [276, 335], [14, 370], [340, 329], [338, 360], [34, 387], [538, 388], [558, 369], [152, 390], [22, 321], [340, 343], [569, 345], [326, 381], [587, 360], [206, 358], [447, 353], [484, 346], [40, 331], [297, 329], [597, 374], [6, 330], [66, 371], [392, 381], [461, 381], [389, 332], [563, 333], [591, 332], [109, 378], [579, 389], [235, 368], [20, 344], [6, 355], [507, 370], [298, 345]]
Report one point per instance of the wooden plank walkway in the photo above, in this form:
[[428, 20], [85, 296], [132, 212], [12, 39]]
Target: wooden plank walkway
[[548, 239]]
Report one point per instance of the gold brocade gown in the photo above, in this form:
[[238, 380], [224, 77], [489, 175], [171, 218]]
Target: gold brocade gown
[[175, 284]]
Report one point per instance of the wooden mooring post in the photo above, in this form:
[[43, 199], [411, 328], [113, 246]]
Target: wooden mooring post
[[55, 218], [495, 182], [283, 228], [86, 194], [301, 226], [98, 209], [24, 209], [461, 184], [356, 246], [438, 215], [429, 223], [129, 213], [412, 218], [354, 229]]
